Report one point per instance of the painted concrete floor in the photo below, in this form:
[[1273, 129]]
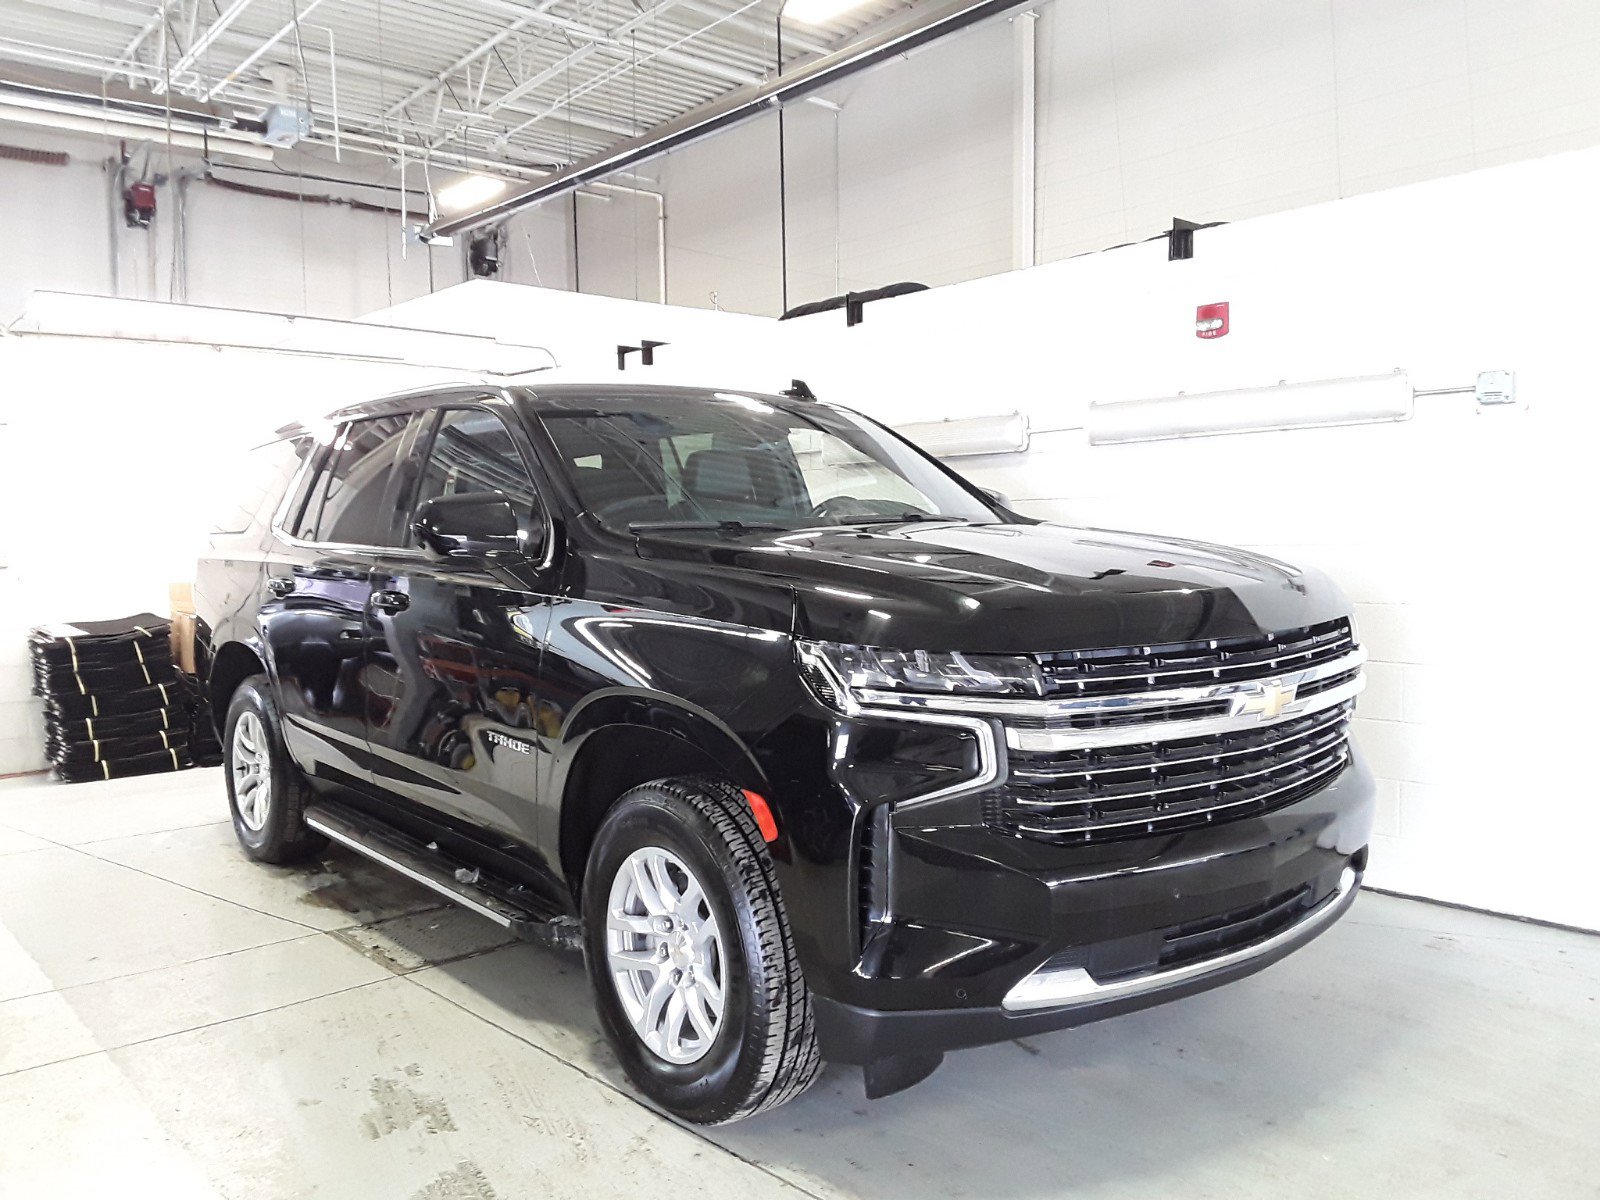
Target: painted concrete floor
[[176, 1021]]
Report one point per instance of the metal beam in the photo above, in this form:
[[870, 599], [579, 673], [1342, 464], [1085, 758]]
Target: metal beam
[[925, 24], [132, 47], [616, 72], [260, 50], [472, 56], [215, 30], [561, 64]]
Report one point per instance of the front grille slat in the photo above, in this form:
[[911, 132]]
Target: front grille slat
[[1261, 799], [1226, 660], [1329, 722], [1168, 794], [1094, 794]]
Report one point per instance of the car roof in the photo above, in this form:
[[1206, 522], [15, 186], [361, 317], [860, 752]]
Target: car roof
[[553, 397]]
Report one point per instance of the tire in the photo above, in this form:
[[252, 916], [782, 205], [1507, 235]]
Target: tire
[[269, 824], [762, 1048]]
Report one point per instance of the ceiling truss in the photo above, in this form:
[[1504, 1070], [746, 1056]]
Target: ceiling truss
[[518, 85]]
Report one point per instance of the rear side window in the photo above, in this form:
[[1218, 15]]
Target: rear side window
[[347, 506], [472, 451], [264, 477]]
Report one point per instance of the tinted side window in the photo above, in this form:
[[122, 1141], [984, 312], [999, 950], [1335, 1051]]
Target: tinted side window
[[300, 516], [473, 452], [363, 459]]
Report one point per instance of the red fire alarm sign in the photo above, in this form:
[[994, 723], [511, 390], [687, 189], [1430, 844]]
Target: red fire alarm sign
[[1211, 320]]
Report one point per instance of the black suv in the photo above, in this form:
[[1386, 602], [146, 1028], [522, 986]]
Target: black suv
[[815, 749]]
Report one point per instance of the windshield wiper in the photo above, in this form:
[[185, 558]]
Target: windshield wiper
[[696, 526], [906, 519]]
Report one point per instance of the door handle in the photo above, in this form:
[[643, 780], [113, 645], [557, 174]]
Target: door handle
[[390, 602], [280, 585]]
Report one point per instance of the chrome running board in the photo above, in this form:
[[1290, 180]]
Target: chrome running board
[[466, 886]]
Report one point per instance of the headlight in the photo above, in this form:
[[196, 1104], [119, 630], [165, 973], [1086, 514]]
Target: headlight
[[869, 669]]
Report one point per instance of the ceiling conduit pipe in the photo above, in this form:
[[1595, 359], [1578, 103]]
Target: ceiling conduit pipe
[[925, 24], [1025, 180]]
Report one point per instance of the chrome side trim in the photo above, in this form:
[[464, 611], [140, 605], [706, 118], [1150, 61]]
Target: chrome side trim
[[1069, 986]]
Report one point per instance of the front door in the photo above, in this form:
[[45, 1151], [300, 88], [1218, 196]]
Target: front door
[[455, 647], [314, 612]]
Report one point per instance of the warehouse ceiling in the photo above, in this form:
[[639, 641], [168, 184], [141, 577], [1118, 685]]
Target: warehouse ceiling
[[508, 84]]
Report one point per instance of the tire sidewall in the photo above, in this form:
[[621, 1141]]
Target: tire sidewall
[[700, 1091], [282, 828]]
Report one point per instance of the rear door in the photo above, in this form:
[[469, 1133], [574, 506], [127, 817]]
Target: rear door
[[455, 647], [314, 610]]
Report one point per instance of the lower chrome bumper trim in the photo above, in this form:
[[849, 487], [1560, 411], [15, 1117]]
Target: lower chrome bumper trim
[[1068, 986]]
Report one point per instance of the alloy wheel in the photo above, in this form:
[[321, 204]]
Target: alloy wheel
[[251, 762], [665, 953]]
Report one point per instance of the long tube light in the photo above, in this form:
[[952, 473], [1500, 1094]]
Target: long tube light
[[927, 22], [67, 314], [128, 127], [964, 436], [468, 191], [1356, 401]]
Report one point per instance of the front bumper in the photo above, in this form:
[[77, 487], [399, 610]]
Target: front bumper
[[994, 937]]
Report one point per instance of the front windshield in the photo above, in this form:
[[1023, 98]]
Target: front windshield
[[720, 461]]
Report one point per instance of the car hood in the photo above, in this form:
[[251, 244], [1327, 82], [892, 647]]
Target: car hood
[[998, 588]]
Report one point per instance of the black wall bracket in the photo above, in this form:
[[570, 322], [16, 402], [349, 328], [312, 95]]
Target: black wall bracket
[[1180, 239], [646, 350]]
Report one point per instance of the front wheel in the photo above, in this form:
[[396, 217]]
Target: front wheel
[[691, 956]]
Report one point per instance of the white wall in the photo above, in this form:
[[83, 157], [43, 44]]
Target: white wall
[[1462, 536], [277, 255], [114, 461], [243, 251], [1211, 110]]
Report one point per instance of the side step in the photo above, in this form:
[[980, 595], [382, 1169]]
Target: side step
[[468, 887]]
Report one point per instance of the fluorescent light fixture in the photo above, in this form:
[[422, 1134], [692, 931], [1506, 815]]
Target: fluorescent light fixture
[[1006, 434], [1357, 401], [63, 314], [469, 192], [818, 12]]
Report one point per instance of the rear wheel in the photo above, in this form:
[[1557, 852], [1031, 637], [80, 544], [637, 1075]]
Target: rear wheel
[[691, 955], [266, 792]]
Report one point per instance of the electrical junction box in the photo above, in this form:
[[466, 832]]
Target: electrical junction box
[[287, 124], [1497, 387]]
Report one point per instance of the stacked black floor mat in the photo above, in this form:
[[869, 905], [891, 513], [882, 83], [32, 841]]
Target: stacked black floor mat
[[113, 703]]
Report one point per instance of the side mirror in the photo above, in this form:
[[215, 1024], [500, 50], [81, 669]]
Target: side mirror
[[1000, 498], [473, 525]]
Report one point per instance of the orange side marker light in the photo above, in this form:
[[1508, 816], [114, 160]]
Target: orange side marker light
[[763, 813]]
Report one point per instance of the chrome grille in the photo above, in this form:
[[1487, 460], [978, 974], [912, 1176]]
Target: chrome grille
[[1128, 790], [1133, 669]]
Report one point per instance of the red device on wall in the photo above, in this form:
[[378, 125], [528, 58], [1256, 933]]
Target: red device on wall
[[139, 205], [1211, 320]]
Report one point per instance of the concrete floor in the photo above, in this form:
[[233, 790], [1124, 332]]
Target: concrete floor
[[176, 1021]]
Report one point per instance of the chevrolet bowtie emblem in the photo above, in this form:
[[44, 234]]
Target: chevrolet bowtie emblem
[[1269, 700]]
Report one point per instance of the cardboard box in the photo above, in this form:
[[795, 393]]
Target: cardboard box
[[184, 623]]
